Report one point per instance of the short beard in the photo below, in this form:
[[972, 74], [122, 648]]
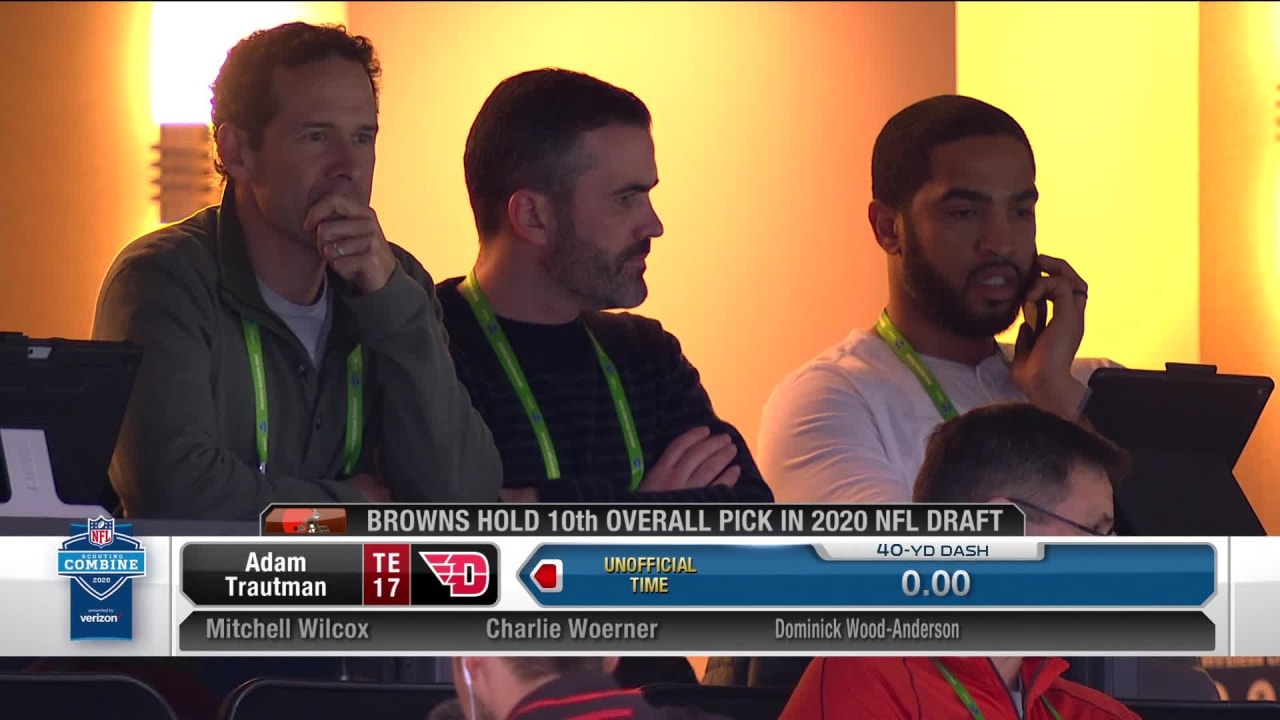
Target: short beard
[[588, 272], [945, 305]]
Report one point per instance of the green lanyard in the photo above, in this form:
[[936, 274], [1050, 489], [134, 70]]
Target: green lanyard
[[968, 700], [908, 356], [911, 359], [355, 398], [470, 289]]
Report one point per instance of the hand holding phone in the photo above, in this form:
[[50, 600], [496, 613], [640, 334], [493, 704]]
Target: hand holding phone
[[1035, 315], [1045, 351]]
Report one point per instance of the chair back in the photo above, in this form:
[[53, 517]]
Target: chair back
[[275, 698], [39, 696]]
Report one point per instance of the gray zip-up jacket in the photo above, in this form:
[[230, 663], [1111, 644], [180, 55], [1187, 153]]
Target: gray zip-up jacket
[[188, 446]]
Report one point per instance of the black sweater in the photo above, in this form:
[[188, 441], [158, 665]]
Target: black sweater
[[663, 389]]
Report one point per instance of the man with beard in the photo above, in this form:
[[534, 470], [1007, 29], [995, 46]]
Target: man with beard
[[584, 405], [953, 181], [290, 353]]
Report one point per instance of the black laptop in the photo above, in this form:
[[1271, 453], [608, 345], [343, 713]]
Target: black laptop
[[1185, 428], [76, 391]]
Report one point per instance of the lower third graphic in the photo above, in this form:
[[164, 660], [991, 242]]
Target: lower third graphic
[[101, 558]]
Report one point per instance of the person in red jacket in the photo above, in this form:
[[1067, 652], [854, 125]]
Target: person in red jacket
[[920, 688], [1062, 475], [553, 688]]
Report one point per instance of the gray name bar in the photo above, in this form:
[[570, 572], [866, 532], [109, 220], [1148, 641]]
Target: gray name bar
[[716, 632]]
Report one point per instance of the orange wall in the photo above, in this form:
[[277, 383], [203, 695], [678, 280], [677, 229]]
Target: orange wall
[[764, 116], [73, 157], [1239, 202], [765, 113], [1108, 94], [1155, 129]]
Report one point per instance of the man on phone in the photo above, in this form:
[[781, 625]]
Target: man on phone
[[954, 196], [290, 352]]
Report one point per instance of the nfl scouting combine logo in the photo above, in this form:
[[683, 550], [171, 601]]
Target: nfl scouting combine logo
[[101, 558]]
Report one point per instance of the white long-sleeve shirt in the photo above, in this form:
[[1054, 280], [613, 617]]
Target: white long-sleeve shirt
[[851, 425]]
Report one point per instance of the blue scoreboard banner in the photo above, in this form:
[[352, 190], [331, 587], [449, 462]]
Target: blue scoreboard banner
[[1111, 575], [435, 580]]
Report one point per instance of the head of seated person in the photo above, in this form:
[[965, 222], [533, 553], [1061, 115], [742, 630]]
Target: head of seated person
[[491, 688], [1060, 473]]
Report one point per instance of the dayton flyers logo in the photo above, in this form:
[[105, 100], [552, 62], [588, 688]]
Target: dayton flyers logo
[[465, 573]]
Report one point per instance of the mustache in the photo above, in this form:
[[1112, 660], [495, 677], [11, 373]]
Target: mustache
[[640, 249]]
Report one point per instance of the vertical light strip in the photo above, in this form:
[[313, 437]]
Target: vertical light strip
[[1108, 93], [1240, 211], [189, 43], [190, 40]]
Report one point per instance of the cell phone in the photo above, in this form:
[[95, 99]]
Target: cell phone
[[1036, 316]]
